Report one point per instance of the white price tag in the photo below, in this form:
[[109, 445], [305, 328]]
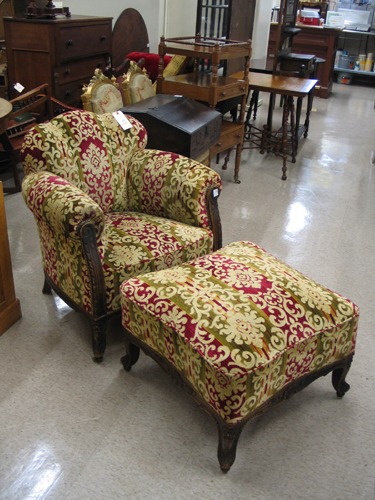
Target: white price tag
[[122, 120], [18, 87]]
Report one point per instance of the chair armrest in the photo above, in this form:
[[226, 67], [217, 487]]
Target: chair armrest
[[172, 186], [63, 206]]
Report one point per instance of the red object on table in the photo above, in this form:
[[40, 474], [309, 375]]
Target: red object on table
[[310, 18]]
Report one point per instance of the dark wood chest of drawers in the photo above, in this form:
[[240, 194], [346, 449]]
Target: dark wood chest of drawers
[[63, 52]]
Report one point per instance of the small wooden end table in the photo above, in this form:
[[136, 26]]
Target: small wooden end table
[[290, 88]]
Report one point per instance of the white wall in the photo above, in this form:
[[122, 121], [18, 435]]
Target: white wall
[[180, 18], [176, 18], [261, 32], [152, 12]]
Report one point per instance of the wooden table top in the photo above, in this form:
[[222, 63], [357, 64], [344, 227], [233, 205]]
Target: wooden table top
[[5, 110], [189, 47], [284, 85]]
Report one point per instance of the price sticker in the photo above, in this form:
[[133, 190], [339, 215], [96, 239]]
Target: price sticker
[[122, 120], [18, 87]]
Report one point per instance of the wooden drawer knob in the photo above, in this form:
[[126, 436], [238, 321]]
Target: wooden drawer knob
[[67, 71], [70, 42], [103, 38]]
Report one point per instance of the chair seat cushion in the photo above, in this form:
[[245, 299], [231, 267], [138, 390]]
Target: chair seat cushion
[[140, 243], [239, 325]]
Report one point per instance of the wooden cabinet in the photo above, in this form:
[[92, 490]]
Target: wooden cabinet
[[62, 52], [210, 88], [322, 42], [10, 309]]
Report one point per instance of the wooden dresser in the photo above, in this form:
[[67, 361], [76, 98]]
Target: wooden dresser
[[62, 52]]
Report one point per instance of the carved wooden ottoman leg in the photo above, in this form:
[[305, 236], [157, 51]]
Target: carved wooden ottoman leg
[[228, 440], [131, 356], [338, 379]]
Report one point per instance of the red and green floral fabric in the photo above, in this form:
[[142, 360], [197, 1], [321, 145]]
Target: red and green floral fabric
[[148, 207], [239, 325]]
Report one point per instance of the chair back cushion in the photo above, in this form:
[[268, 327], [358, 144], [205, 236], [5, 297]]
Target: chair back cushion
[[106, 99], [151, 63], [90, 151], [140, 88]]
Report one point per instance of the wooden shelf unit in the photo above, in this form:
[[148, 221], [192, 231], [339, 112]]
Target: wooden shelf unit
[[210, 88]]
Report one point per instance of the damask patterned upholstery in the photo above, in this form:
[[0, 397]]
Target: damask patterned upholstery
[[147, 210], [239, 325]]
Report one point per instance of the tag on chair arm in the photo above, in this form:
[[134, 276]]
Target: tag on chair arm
[[122, 120]]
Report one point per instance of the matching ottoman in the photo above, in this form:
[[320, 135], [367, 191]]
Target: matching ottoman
[[240, 331]]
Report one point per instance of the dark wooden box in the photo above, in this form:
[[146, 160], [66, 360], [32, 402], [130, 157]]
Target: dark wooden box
[[177, 124]]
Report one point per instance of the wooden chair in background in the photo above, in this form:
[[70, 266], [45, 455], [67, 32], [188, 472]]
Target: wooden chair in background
[[28, 109]]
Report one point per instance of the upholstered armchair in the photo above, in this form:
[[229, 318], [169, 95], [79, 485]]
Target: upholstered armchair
[[108, 209], [102, 95]]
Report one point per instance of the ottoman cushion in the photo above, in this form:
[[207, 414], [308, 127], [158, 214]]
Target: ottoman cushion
[[239, 325]]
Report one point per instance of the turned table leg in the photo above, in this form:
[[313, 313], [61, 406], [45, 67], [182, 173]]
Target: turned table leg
[[285, 136]]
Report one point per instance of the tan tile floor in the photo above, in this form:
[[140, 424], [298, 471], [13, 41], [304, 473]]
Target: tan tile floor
[[76, 430]]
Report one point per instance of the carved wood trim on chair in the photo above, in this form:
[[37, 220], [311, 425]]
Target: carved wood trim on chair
[[212, 207]]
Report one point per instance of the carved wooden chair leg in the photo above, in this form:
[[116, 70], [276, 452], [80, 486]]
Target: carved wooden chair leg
[[226, 159], [131, 356], [46, 288], [228, 440], [98, 328], [338, 379]]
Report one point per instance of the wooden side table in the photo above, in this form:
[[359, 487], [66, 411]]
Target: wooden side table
[[210, 88], [290, 88], [10, 309]]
